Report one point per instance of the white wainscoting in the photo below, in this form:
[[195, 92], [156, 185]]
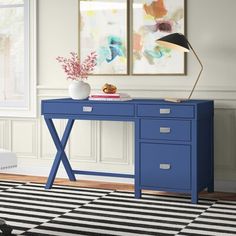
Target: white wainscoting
[[106, 145]]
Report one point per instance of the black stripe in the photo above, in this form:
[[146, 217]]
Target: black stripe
[[176, 199], [20, 228], [51, 194], [36, 234], [116, 223], [226, 208], [157, 202], [220, 212], [217, 218], [33, 222], [88, 193], [2, 188], [215, 223], [41, 203], [27, 215], [230, 203], [192, 234], [145, 208], [80, 211], [211, 230], [53, 198], [137, 212], [28, 209], [97, 227], [84, 189], [31, 233]]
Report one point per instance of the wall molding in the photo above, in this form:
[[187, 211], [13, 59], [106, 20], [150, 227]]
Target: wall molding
[[4, 134]]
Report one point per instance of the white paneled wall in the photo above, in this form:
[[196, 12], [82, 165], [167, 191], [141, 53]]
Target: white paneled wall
[[82, 144], [24, 138]]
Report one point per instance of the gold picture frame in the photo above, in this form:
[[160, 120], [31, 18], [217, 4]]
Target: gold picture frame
[[103, 27]]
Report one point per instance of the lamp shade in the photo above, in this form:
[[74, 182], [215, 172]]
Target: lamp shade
[[174, 41], [179, 42]]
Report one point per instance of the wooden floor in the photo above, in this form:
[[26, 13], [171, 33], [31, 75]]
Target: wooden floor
[[106, 185]]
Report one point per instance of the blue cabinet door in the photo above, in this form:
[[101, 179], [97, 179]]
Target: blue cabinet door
[[165, 166]]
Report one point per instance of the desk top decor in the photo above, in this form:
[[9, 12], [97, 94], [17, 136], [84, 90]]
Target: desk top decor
[[110, 97], [109, 88], [179, 42], [77, 72], [109, 93]]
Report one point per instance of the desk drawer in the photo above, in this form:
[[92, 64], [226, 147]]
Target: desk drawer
[[179, 130], [178, 111], [101, 109], [165, 166]]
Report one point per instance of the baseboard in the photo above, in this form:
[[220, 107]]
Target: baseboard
[[43, 171], [225, 186]]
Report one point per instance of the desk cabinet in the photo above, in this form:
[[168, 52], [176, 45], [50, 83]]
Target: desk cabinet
[[175, 147], [165, 166], [173, 141]]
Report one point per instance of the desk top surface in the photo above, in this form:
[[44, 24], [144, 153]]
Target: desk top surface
[[133, 101]]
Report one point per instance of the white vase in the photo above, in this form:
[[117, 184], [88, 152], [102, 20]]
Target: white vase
[[79, 90]]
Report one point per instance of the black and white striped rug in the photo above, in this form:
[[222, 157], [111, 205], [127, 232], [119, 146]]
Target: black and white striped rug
[[70, 211]]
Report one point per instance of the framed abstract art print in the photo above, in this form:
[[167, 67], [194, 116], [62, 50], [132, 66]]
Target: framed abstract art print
[[103, 29], [153, 19]]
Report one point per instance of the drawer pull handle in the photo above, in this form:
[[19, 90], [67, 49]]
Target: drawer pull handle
[[165, 166], [165, 111], [87, 109], [164, 130]]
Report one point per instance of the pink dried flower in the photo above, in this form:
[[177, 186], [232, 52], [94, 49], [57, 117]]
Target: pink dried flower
[[76, 70]]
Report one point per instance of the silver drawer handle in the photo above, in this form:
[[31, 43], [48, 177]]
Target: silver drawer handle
[[165, 111], [165, 130], [165, 166], [87, 109]]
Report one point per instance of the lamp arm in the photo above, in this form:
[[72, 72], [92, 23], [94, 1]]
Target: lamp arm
[[199, 72]]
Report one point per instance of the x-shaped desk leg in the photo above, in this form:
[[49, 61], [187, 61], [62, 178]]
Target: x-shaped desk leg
[[61, 155]]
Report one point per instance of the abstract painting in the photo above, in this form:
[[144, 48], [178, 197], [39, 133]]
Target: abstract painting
[[153, 19], [103, 29]]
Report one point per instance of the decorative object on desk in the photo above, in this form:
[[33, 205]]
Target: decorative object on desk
[[154, 19], [78, 72], [79, 90], [103, 28], [109, 88], [179, 42], [110, 97]]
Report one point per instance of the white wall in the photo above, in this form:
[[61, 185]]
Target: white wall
[[210, 30]]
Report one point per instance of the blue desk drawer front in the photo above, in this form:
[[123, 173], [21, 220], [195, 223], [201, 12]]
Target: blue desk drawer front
[[178, 111], [179, 130], [165, 166], [103, 109]]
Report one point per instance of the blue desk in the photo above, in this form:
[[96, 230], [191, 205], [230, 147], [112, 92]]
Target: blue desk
[[173, 142]]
